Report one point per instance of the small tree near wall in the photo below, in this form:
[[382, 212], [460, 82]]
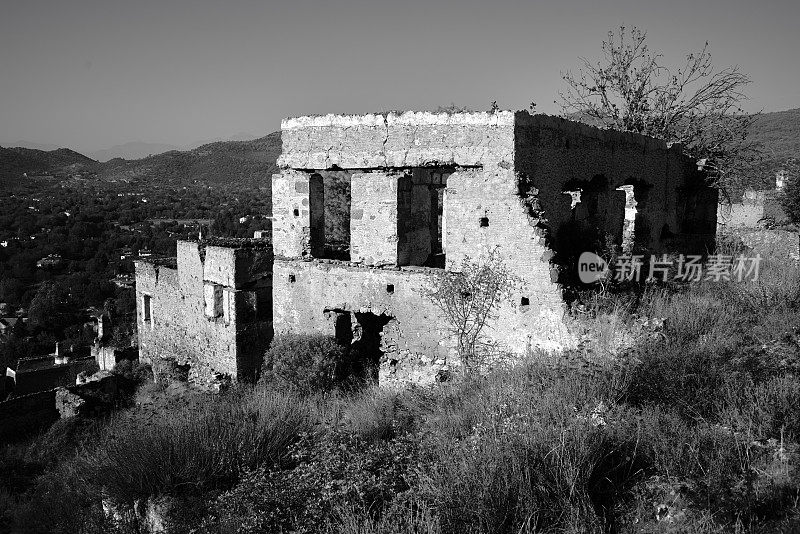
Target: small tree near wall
[[790, 199], [469, 301]]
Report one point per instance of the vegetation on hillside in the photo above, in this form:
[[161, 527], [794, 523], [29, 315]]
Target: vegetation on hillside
[[243, 163], [247, 164], [779, 134], [92, 228], [680, 412]]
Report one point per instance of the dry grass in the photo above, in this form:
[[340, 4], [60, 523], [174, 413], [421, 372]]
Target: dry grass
[[692, 426]]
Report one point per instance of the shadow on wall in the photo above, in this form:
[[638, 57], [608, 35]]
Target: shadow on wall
[[614, 220], [361, 332]]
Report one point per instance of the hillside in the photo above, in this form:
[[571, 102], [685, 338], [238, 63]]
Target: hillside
[[250, 163], [247, 163], [779, 132], [134, 150], [244, 163], [16, 162]]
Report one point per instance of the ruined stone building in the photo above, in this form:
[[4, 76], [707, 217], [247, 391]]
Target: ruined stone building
[[368, 210], [753, 209], [757, 220], [208, 311]]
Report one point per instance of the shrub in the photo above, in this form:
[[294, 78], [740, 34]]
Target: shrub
[[135, 371], [198, 447], [375, 414], [522, 450], [469, 301], [305, 362], [409, 518], [333, 470]]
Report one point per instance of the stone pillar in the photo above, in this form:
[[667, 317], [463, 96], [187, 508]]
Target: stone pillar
[[373, 218], [298, 212], [444, 221]]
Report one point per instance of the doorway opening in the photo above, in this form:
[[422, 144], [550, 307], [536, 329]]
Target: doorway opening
[[362, 333]]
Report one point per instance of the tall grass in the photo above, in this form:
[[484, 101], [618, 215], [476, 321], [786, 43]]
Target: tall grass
[[199, 447], [689, 427]]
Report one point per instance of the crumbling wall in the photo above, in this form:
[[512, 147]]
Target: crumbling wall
[[309, 294], [745, 214], [755, 209], [104, 355], [398, 163], [211, 312], [533, 188], [675, 211], [295, 218], [396, 140], [485, 211]]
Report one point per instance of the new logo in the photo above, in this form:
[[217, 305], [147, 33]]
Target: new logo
[[591, 268]]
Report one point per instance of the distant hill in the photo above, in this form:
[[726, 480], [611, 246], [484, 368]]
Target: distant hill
[[241, 136], [247, 163], [28, 144], [252, 162], [779, 132], [135, 150], [16, 162]]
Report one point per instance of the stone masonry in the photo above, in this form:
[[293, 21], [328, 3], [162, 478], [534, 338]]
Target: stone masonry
[[425, 193], [209, 311], [432, 190]]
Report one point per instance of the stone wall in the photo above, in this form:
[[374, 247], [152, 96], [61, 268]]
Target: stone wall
[[539, 190], [675, 212], [427, 193], [105, 356], [397, 140], [309, 296], [212, 311], [374, 238], [50, 375], [484, 212], [754, 210]]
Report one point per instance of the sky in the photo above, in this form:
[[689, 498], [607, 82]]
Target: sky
[[90, 74]]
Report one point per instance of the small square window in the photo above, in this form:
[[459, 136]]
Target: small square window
[[524, 301], [292, 279], [390, 288], [484, 222]]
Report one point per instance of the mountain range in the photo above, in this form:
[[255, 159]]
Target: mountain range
[[133, 150], [249, 162], [139, 150], [244, 163]]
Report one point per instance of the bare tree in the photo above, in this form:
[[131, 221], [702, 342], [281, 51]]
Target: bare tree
[[631, 90], [469, 300]]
